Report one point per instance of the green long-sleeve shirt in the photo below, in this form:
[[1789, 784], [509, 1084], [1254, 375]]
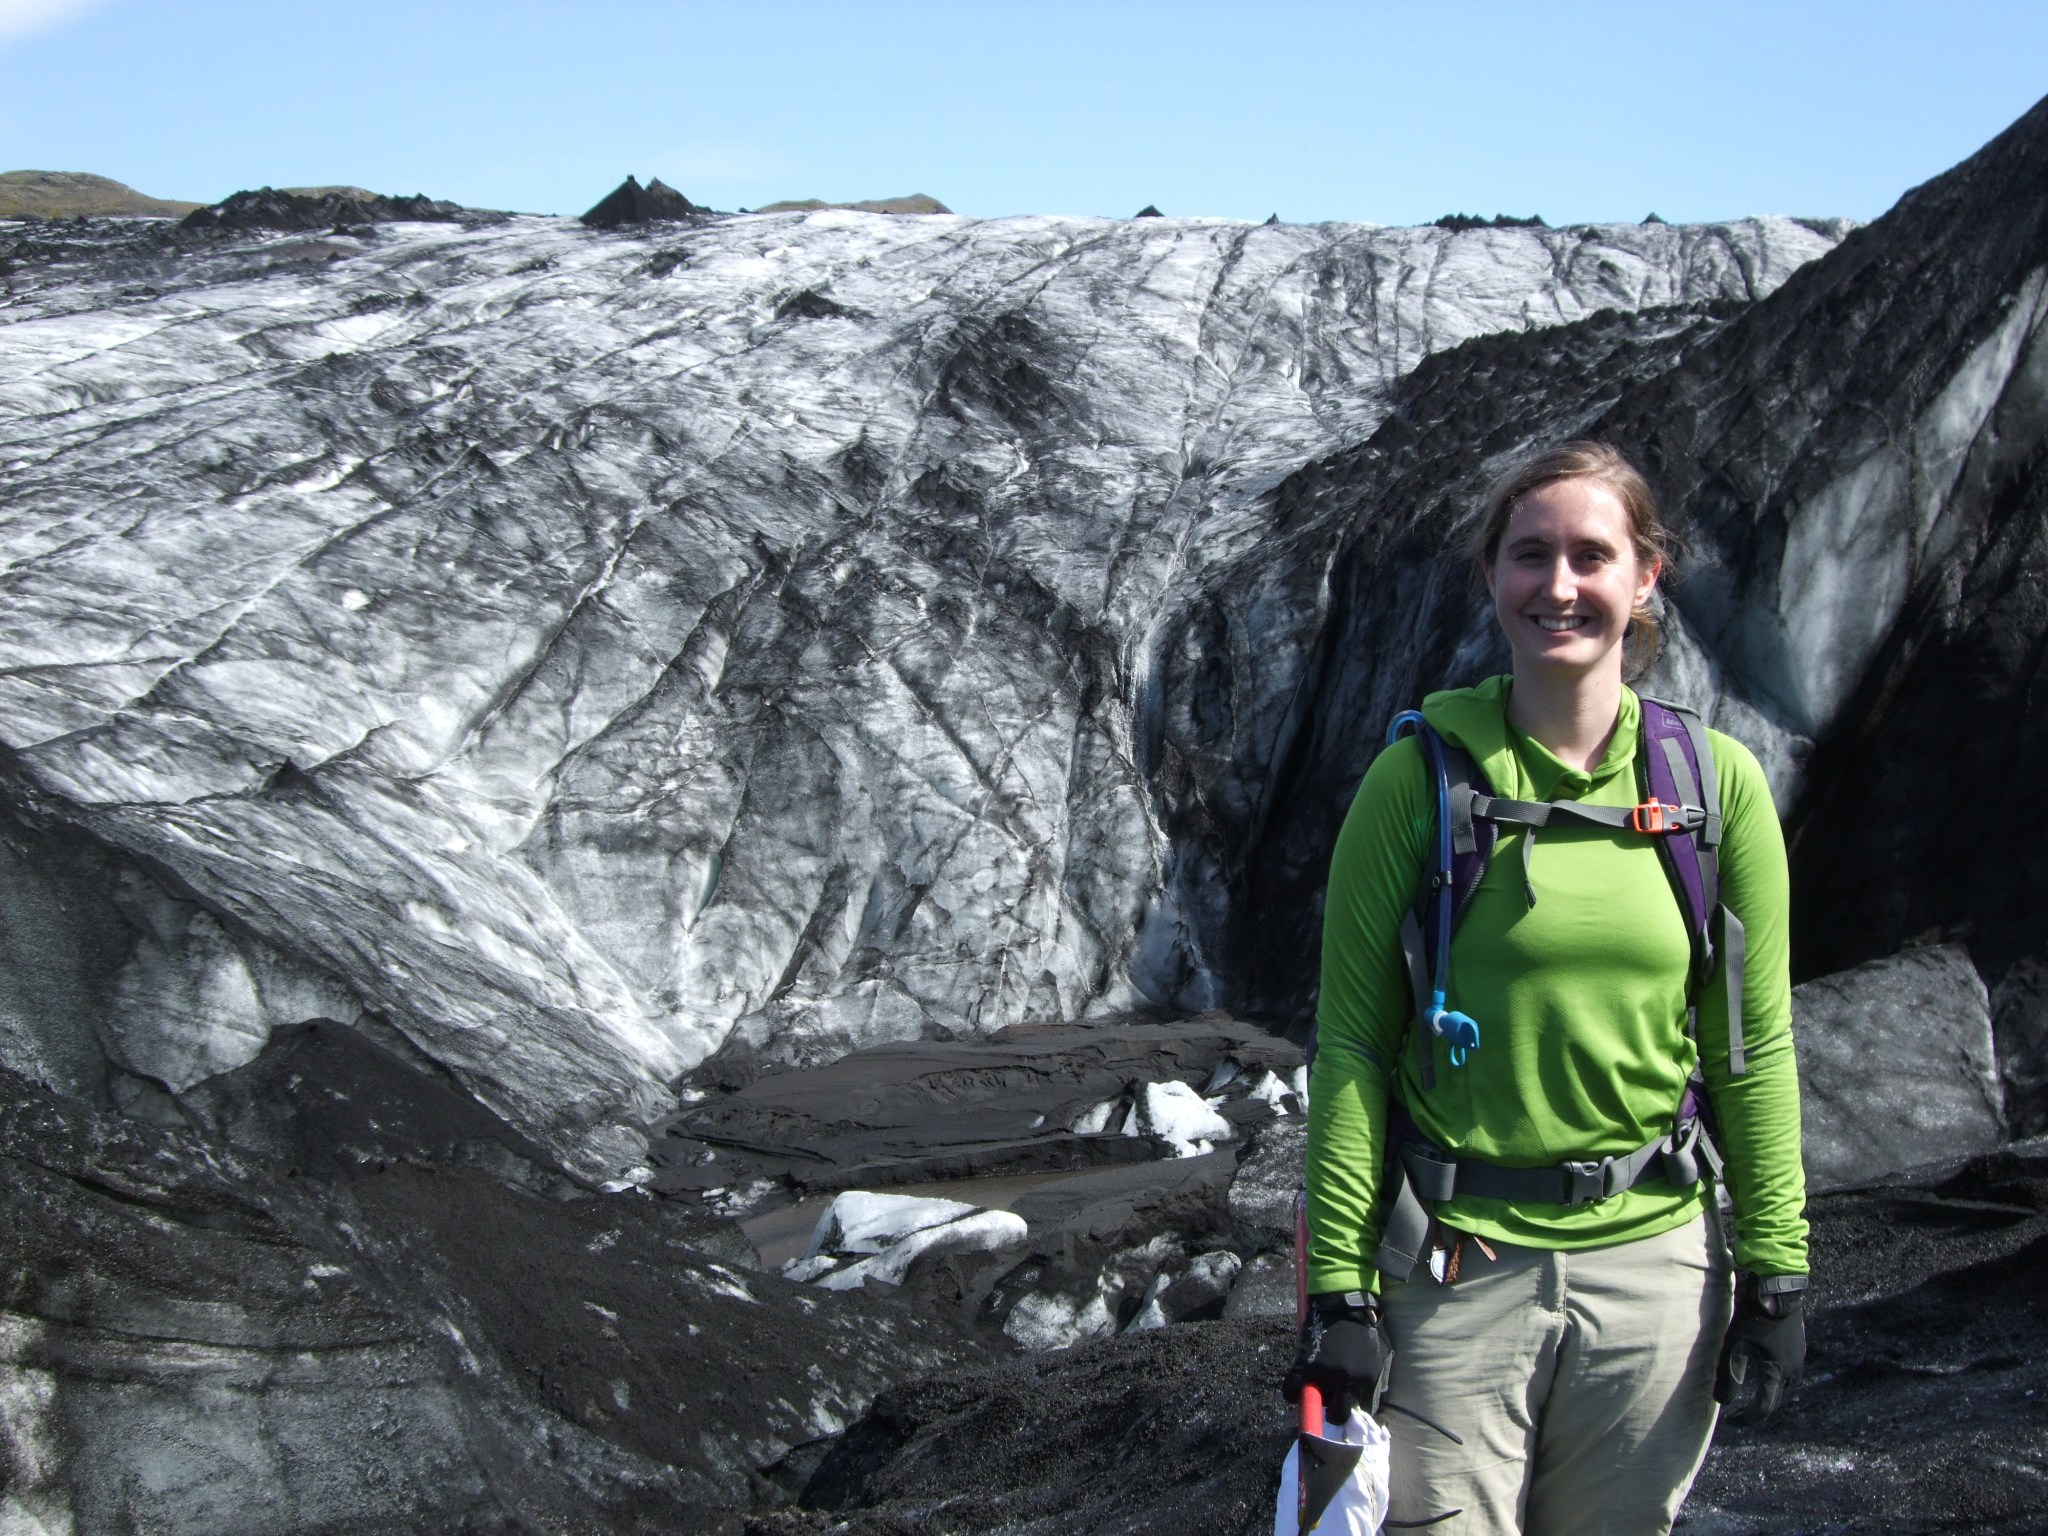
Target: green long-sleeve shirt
[[1580, 998]]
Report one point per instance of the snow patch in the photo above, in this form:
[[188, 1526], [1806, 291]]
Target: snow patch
[[861, 1221], [1181, 1117], [982, 1232], [1096, 1118], [1270, 1089], [1041, 1321]]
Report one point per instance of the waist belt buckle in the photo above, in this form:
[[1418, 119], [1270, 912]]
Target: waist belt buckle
[[1589, 1181]]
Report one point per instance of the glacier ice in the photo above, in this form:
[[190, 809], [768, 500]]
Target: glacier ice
[[979, 1232], [1179, 1116], [861, 1221], [583, 647]]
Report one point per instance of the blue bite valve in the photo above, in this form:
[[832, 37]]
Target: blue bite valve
[[1459, 1031]]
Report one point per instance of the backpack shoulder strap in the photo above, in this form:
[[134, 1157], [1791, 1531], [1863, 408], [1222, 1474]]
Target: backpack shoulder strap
[[1471, 839], [1677, 765], [1470, 848]]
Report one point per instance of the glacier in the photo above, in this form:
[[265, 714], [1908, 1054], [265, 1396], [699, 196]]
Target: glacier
[[579, 650]]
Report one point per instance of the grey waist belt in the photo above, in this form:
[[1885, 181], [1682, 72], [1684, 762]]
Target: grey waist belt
[[1427, 1174]]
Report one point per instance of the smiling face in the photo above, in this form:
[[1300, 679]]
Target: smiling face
[[1565, 578]]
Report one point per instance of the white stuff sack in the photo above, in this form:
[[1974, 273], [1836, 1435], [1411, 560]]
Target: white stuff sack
[[1361, 1504]]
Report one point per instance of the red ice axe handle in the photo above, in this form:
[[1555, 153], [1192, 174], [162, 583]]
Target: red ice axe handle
[[1306, 1517], [1312, 1421], [1311, 1395]]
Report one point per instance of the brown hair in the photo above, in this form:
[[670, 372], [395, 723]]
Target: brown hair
[[1584, 459]]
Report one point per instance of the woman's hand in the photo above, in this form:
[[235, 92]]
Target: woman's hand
[[1767, 1335], [1344, 1353]]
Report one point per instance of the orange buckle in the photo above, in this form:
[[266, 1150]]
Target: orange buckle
[[1649, 816]]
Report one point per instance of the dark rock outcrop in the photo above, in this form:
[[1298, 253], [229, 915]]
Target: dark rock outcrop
[[631, 203], [381, 1310], [1862, 459], [326, 208], [1896, 1067], [1361, 557], [1029, 1099], [1463, 221], [1857, 459], [1159, 1435]]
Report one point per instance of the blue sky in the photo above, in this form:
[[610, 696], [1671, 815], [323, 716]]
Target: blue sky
[[1383, 112]]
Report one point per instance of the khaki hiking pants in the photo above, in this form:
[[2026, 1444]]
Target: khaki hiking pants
[[1578, 1386]]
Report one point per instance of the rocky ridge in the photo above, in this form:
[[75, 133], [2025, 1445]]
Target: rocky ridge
[[915, 203], [316, 208], [631, 203], [80, 194]]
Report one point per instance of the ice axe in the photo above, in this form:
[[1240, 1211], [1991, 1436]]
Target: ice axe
[[1322, 1466]]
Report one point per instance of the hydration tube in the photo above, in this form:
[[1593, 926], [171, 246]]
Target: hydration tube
[[1458, 1031]]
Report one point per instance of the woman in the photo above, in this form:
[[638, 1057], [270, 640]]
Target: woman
[[1553, 1364]]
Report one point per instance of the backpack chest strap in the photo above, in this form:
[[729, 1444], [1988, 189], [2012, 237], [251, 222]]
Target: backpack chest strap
[[1652, 817]]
